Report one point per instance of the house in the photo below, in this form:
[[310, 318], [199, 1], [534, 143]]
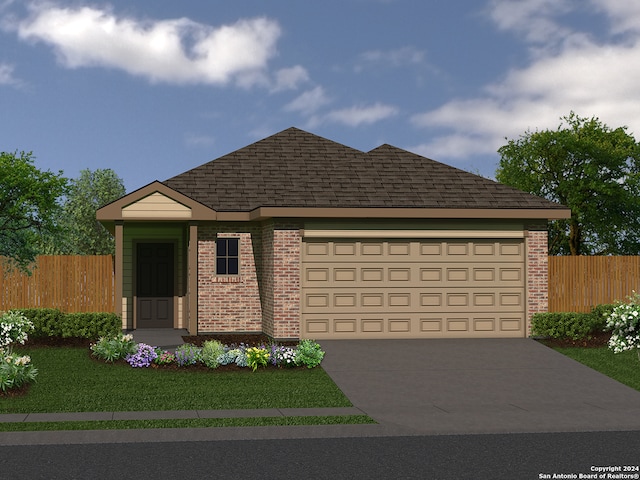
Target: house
[[298, 236]]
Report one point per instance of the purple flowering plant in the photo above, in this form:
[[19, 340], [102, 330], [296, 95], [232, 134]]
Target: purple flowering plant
[[282, 356], [144, 356], [188, 354]]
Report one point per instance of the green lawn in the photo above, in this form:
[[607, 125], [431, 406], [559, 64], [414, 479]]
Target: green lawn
[[70, 381], [623, 367], [186, 423]]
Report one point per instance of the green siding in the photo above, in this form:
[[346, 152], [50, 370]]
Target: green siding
[[152, 232]]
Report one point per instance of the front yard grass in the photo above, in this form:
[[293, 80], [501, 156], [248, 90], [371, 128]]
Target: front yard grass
[[69, 380], [186, 423], [623, 367]]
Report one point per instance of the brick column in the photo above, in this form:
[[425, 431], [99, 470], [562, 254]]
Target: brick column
[[537, 273], [286, 283]]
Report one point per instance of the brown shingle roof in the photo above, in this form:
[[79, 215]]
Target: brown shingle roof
[[295, 168]]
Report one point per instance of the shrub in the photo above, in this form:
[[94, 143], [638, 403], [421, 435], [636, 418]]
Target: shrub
[[257, 356], [143, 357], [624, 323], [46, 321], [51, 322], [16, 371], [309, 353], [602, 312], [211, 351], [90, 325], [187, 354], [575, 326], [111, 349]]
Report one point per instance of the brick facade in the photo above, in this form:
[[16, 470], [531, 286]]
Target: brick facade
[[537, 273], [265, 297], [228, 303], [281, 280], [286, 291]]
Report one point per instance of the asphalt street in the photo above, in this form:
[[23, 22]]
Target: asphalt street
[[495, 456]]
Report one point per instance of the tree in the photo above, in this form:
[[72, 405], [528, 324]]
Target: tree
[[82, 234], [590, 168], [28, 206]]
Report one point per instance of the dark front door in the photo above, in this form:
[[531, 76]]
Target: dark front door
[[154, 285]]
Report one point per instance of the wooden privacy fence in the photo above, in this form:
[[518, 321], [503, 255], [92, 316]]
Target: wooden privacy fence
[[72, 283], [577, 284], [87, 283]]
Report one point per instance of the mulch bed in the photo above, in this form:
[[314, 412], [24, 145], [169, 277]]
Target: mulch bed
[[199, 367], [595, 341], [15, 392], [249, 339]]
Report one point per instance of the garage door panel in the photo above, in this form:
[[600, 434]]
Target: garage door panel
[[360, 250], [343, 275], [412, 325], [317, 299], [473, 250], [506, 274], [450, 251], [415, 275], [413, 288]]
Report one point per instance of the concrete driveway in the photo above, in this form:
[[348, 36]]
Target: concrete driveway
[[477, 386]]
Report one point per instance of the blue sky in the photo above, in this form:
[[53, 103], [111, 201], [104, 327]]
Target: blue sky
[[152, 89]]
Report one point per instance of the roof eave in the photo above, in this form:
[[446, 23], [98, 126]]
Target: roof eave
[[263, 213]]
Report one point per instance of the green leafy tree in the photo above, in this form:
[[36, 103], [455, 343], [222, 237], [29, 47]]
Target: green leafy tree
[[82, 234], [29, 204], [590, 168]]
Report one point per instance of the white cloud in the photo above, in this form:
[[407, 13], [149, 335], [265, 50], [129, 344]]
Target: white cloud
[[624, 14], [356, 116], [290, 78], [399, 57], [196, 140], [591, 79], [533, 18], [309, 101], [178, 51], [6, 75]]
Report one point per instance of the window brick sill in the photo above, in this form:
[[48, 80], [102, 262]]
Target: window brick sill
[[228, 279]]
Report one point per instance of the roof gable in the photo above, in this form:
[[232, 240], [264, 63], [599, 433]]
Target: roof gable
[[156, 205], [297, 169], [155, 201]]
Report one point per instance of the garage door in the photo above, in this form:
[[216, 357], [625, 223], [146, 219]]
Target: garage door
[[457, 288]]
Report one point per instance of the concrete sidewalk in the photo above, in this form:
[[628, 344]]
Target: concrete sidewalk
[[167, 338]]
